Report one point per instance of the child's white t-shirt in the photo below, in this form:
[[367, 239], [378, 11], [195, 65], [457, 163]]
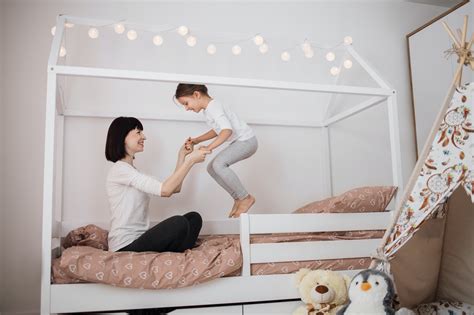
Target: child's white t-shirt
[[219, 117], [128, 191]]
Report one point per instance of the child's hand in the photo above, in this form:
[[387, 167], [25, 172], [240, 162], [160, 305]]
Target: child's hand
[[198, 156], [189, 144]]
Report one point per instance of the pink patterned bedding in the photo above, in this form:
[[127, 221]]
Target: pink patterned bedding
[[216, 256]]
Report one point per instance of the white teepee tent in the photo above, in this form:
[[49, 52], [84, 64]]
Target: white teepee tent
[[429, 248]]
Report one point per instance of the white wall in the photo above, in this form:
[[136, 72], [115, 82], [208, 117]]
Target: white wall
[[432, 73], [379, 37]]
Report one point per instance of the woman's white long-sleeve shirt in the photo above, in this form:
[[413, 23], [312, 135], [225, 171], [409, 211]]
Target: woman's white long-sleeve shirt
[[128, 192]]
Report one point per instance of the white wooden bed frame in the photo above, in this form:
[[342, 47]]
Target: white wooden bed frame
[[63, 298]]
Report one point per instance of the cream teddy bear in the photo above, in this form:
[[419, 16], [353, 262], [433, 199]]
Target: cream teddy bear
[[323, 291]]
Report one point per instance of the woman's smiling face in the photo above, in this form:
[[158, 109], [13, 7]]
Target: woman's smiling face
[[135, 141]]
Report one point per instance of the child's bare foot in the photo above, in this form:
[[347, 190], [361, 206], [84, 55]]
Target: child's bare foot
[[234, 208], [244, 205]]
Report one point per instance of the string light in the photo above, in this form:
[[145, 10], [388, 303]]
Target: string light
[[306, 46], [211, 49], [68, 25], [258, 40], [119, 28], [263, 48], [330, 56], [62, 51], [183, 30], [285, 56], [93, 33], [132, 35], [236, 50], [157, 40], [191, 41]]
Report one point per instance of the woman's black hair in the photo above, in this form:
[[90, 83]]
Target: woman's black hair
[[118, 130]]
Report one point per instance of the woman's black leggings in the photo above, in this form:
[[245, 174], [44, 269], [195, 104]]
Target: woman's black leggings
[[175, 234]]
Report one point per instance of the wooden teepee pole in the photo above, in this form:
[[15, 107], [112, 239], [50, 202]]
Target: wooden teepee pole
[[463, 45]]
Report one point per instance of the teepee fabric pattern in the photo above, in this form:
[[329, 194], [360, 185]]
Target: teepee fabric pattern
[[449, 164]]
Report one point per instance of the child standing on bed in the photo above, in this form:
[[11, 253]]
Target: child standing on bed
[[226, 127]]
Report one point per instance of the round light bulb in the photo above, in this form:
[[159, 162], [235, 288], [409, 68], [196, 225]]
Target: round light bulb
[[119, 28], [347, 64], [330, 56], [191, 41], [285, 56], [132, 35], [157, 40], [236, 50], [309, 53], [183, 30], [263, 48], [258, 40], [347, 40], [93, 33], [334, 70], [53, 30], [62, 52], [306, 46], [211, 49], [69, 25]]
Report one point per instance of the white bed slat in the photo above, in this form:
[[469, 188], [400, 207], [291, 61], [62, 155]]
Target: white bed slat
[[302, 251], [323, 222], [100, 297], [273, 223]]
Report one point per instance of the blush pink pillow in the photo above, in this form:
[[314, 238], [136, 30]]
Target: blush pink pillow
[[361, 199], [89, 235]]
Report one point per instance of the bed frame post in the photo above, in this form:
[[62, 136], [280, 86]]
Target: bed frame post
[[395, 146], [245, 243], [48, 179], [48, 188], [326, 164]]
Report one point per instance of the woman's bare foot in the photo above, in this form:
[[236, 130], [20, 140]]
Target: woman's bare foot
[[234, 208], [244, 205]]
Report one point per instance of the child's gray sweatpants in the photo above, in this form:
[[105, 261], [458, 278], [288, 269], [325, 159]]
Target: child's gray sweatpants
[[219, 169]]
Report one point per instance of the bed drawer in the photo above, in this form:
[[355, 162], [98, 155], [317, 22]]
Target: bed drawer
[[280, 308], [218, 310]]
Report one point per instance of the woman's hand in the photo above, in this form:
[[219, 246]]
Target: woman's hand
[[205, 148], [184, 150], [197, 156]]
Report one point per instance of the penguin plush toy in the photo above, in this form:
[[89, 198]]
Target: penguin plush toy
[[370, 292]]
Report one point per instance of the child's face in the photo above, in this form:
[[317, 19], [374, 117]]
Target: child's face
[[135, 141], [191, 102]]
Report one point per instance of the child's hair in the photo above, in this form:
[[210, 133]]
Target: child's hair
[[118, 131], [184, 89]]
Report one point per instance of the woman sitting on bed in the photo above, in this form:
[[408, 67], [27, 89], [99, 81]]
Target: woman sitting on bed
[[128, 191]]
